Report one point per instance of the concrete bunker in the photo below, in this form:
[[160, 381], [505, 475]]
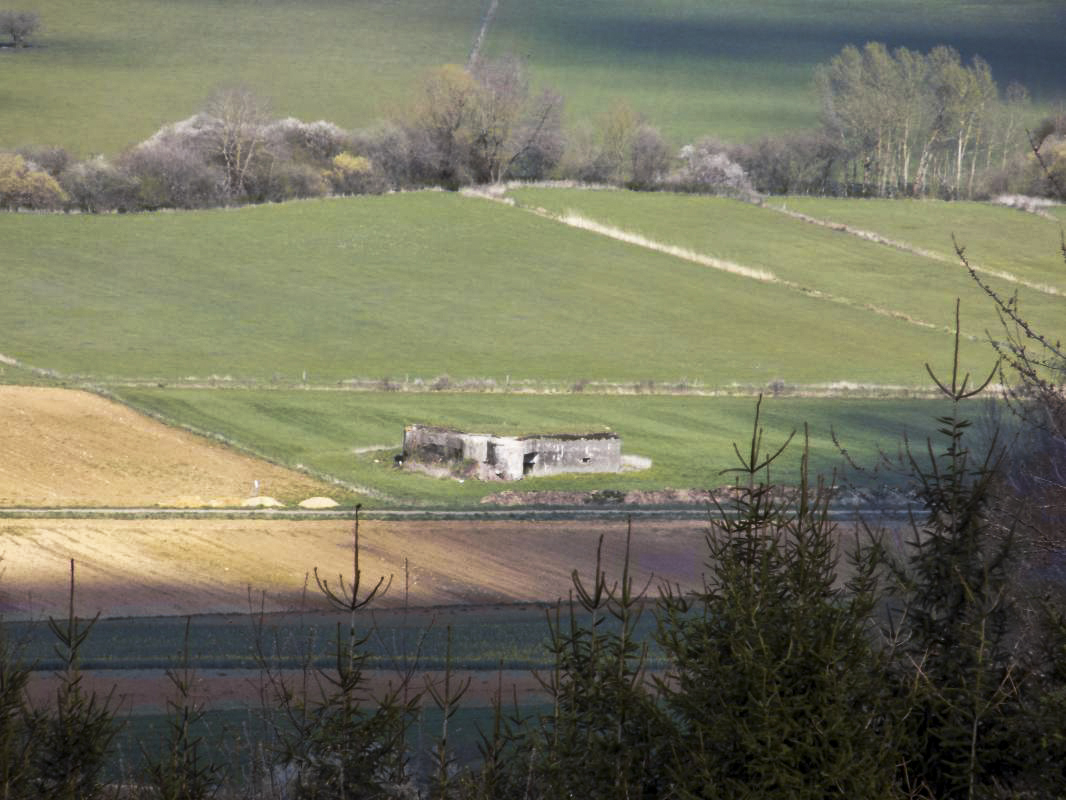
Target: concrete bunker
[[511, 458]]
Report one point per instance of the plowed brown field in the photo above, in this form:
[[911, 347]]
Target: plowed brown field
[[60, 447], [164, 567]]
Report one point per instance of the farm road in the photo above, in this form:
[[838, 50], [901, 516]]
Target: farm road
[[694, 512]]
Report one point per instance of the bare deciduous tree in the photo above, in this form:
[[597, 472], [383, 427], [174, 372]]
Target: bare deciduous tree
[[482, 126], [445, 123], [237, 133], [19, 25], [649, 158], [913, 123], [513, 133]]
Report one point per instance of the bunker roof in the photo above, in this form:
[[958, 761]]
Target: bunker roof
[[566, 437]]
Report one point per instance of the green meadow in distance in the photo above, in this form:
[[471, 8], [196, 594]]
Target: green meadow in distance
[[849, 267], [740, 70], [421, 285], [108, 73]]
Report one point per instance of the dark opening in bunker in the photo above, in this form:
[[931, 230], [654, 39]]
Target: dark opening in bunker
[[586, 460], [528, 462]]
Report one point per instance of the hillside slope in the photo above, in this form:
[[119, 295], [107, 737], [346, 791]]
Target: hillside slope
[[417, 285]]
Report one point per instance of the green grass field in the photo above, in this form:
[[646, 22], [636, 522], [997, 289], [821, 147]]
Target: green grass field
[[482, 639], [739, 70], [1023, 244], [108, 73], [847, 267], [419, 284], [689, 439]]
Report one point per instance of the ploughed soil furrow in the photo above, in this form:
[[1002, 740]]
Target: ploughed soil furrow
[[178, 567], [175, 567]]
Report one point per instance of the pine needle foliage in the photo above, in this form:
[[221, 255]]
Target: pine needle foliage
[[776, 684], [336, 739], [447, 695], [956, 615], [75, 737], [18, 724], [185, 768], [605, 733]]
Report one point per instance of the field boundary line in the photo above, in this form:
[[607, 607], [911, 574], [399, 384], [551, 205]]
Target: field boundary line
[[907, 247], [649, 388], [486, 23], [694, 510], [575, 220]]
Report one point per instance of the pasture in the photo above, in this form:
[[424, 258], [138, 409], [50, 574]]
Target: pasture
[[1024, 245], [1018, 247], [554, 327], [353, 435], [739, 70], [108, 73], [428, 284]]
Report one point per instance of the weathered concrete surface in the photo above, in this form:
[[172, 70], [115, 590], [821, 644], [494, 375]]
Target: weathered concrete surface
[[511, 458]]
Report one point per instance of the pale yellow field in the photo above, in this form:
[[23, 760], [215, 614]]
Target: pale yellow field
[[63, 448]]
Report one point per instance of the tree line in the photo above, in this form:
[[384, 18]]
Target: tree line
[[912, 124], [895, 123]]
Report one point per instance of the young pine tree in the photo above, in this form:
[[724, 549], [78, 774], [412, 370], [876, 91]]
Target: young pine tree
[[605, 735], [776, 683], [74, 737], [956, 617]]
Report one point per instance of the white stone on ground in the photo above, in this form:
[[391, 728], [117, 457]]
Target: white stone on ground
[[319, 502]]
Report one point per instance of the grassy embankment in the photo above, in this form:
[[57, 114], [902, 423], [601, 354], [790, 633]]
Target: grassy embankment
[[109, 73], [511, 636]]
